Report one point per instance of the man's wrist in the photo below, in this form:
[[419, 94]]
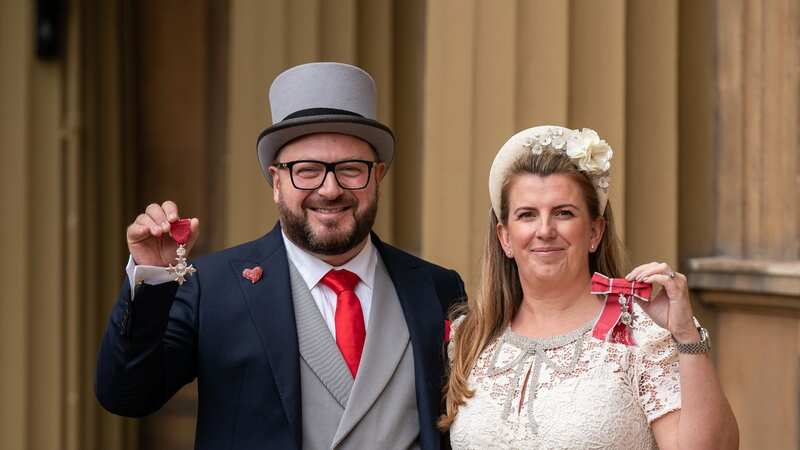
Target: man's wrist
[[152, 275]]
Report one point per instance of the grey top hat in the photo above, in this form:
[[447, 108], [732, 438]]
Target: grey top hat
[[323, 97]]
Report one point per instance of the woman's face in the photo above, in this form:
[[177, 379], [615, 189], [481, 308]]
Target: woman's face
[[549, 232]]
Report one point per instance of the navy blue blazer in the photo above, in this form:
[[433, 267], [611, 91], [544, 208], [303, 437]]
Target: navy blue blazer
[[240, 342]]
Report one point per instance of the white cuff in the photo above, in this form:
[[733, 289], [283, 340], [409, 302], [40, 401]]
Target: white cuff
[[151, 275]]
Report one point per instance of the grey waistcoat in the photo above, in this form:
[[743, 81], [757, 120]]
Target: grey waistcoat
[[377, 410]]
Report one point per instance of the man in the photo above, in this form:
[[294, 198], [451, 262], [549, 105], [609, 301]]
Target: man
[[317, 335]]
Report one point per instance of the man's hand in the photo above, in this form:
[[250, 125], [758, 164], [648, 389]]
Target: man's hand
[[148, 236]]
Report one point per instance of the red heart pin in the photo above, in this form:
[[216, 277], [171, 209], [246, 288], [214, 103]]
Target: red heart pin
[[253, 274]]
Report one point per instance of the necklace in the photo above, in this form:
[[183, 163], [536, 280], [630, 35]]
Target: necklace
[[537, 348]]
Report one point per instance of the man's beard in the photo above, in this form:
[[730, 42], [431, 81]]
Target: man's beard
[[298, 229]]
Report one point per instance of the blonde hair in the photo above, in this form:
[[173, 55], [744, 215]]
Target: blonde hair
[[500, 295]]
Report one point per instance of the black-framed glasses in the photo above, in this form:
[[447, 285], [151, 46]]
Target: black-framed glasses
[[309, 175]]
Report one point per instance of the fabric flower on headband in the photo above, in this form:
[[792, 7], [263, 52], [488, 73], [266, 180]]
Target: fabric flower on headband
[[590, 154]]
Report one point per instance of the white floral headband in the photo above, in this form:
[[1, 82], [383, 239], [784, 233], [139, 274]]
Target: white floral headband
[[584, 147]]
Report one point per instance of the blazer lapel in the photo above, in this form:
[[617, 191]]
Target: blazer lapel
[[270, 304], [387, 340], [425, 321], [317, 346]]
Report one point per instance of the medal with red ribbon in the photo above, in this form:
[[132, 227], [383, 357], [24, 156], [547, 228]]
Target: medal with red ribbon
[[615, 321], [180, 231]]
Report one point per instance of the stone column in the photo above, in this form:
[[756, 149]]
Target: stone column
[[749, 268]]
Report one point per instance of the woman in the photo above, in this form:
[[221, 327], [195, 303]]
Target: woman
[[530, 365]]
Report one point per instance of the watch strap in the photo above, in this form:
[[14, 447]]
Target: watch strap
[[696, 348]]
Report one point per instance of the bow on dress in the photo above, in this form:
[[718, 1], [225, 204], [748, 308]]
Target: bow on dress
[[615, 320]]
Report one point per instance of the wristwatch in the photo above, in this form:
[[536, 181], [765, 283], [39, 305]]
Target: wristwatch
[[695, 348]]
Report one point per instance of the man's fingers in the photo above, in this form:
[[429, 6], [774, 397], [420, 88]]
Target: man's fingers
[[146, 220], [138, 232], [156, 220], [194, 227], [170, 210], [156, 212]]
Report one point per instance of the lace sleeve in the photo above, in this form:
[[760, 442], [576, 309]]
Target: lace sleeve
[[657, 374], [453, 330]]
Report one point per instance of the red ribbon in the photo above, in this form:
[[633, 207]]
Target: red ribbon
[[180, 230], [608, 326]]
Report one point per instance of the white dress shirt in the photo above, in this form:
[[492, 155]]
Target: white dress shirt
[[311, 268]]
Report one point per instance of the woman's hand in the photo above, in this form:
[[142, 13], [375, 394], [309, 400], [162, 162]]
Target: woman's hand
[[671, 308]]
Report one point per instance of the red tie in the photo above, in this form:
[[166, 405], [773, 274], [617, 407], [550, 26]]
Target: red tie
[[350, 331]]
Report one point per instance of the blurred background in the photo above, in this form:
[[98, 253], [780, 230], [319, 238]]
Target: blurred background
[[108, 105]]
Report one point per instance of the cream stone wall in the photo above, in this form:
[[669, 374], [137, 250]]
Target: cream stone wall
[[62, 196], [697, 98], [749, 273]]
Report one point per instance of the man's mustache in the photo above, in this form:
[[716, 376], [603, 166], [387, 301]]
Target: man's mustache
[[337, 203]]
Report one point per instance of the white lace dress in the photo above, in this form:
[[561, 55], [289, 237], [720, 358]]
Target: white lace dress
[[525, 398]]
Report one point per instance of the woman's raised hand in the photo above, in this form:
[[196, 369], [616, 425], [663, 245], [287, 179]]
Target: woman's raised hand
[[670, 308], [148, 236]]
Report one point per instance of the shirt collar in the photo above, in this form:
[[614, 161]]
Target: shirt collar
[[312, 269]]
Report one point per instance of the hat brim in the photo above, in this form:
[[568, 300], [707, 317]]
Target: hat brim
[[271, 140]]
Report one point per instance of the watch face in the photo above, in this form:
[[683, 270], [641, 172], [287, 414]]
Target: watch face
[[706, 337]]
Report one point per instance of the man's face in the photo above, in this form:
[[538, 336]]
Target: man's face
[[330, 220]]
